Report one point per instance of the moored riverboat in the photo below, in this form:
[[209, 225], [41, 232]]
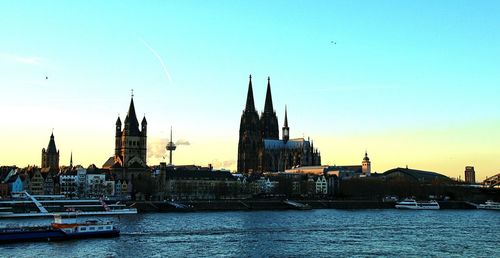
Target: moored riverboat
[[58, 231], [489, 205], [411, 204], [26, 205]]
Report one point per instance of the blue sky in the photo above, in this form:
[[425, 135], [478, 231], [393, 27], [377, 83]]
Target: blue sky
[[398, 67]]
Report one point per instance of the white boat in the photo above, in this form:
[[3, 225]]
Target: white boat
[[59, 230], [411, 204], [48, 206], [489, 205]]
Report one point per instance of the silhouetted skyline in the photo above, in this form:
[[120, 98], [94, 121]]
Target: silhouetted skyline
[[415, 83]]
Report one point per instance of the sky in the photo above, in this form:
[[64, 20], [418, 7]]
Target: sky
[[415, 83]]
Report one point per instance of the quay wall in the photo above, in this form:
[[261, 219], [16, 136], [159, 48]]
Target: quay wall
[[265, 204]]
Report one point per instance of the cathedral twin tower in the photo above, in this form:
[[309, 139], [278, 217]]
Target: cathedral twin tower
[[259, 146]]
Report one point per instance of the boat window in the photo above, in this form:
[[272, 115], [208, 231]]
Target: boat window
[[108, 227], [91, 228], [83, 228], [99, 228]]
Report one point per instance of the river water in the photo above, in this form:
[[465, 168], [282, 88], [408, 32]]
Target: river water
[[315, 233]]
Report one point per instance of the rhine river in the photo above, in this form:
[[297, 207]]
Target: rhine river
[[315, 233]]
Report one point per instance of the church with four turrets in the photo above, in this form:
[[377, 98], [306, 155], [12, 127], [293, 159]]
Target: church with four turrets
[[129, 160], [259, 147]]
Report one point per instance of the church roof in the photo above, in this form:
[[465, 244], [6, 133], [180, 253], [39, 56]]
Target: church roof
[[280, 144], [132, 121], [52, 145], [352, 168]]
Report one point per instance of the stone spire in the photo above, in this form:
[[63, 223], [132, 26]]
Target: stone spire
[[268, 107], [131, 122], [250, 139], [268, 120], [51, 149], [250, 106]]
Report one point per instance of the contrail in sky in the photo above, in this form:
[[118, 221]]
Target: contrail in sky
[[167, 74]]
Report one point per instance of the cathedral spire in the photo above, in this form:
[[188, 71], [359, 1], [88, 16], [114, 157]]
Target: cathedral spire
[[250, 106], [268, 107], [71, 160]]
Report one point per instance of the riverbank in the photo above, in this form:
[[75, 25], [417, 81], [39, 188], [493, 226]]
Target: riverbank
[[273, 204]]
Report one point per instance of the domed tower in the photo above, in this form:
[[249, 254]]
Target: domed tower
[[250, 138], [366, 165]]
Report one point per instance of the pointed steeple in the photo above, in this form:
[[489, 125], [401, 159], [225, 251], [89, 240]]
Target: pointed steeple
[[286, 118], [268, 107], [250, 106], [285, 129], [118, 121], [131, 119], [71, 160], [52, 145]]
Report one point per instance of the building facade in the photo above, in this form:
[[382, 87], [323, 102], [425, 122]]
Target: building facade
[[470, 175], [259, 147]]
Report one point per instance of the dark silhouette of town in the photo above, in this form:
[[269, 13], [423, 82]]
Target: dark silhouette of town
[[270, 170]]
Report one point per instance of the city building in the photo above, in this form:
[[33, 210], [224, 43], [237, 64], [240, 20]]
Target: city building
[[470, 175], [321, 185], [259, 147], [415, 175], [69, 183], [199, 184], [36, 184]]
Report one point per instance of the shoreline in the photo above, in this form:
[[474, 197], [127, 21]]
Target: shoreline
[[274, 204]]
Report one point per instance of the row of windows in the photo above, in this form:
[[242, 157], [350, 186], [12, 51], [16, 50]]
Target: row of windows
[[93, 228]]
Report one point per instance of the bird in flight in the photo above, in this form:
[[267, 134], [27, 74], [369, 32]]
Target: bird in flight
[[46, 77], [334, 42]]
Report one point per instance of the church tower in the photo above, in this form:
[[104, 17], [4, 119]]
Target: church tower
[[286, 129], [250, 138], [131, 143], [366, 165], [50, 157], [268, 118]]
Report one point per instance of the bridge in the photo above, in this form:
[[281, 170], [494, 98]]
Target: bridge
[[492, 182]]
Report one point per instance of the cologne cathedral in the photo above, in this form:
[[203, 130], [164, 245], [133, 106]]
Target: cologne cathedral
[[261, 150]]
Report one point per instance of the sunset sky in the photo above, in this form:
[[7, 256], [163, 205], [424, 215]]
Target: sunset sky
[[414, 82]]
